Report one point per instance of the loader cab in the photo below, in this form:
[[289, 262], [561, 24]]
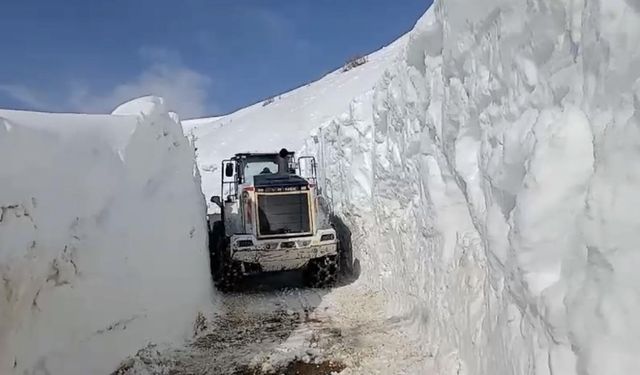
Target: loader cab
[[251, 165], [241, 170], [267, 194]]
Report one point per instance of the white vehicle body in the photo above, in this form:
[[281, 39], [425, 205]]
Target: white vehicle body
[[271, 219]]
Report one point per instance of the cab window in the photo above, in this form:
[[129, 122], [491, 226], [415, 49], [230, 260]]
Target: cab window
[[259, 167]]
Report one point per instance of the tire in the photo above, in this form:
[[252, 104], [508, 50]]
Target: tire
[[228, 273], [345, 250], [215, 255], [230, 278], [322, 272]]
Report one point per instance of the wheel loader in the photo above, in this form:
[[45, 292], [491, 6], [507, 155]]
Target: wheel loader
[[269, 221]]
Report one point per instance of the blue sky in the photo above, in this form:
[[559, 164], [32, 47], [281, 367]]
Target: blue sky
[[206, 56]]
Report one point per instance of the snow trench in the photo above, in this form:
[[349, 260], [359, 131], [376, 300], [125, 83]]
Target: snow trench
[[102, 238], [491, 186], [488, 181]]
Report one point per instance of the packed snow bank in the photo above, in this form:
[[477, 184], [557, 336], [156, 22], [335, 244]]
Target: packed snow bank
[[491, 185], [102, 238]]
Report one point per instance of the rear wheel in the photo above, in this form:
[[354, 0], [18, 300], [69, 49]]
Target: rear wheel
[[322, 272]]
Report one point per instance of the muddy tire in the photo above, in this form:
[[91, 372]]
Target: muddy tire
[[230, 277], [322, 272], [226, 273]]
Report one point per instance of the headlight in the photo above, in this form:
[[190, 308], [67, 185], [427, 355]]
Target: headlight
[[327, 237], [244, 243]]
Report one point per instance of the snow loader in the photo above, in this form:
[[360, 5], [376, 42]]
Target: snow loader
[[269, 221]]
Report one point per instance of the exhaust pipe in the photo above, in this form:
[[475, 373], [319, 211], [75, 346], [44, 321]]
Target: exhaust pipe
[[283, 162]]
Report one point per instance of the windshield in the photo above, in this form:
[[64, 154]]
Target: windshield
[[259, 167]]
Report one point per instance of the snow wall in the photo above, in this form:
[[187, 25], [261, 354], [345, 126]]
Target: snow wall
[[491, 183], [102, 238]]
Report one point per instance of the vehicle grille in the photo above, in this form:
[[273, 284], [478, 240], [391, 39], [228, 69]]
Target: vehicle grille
[[283, 214]]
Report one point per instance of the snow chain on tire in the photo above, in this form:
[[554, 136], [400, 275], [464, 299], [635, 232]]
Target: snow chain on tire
[[322, 272]]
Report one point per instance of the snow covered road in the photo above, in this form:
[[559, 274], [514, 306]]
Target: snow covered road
[[293, 331]]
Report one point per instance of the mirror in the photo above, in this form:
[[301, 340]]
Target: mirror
[[216, 199], [228, 170]]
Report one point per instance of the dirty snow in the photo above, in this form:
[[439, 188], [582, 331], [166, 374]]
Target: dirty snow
[[346, 330]]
